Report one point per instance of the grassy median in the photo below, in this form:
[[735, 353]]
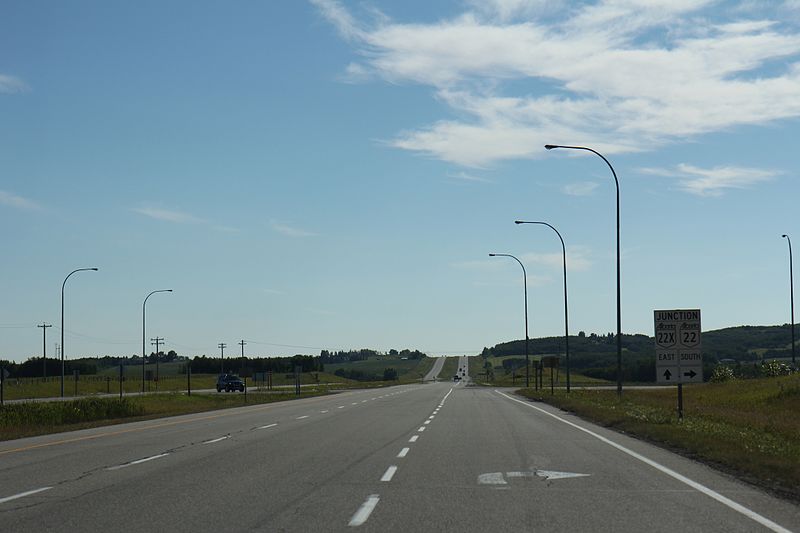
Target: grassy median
[[27, 419], [750, 428]]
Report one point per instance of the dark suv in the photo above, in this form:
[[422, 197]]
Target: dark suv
[[229, 382]]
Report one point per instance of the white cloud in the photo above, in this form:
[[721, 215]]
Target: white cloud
[[168, 215], [12, 84], [583, 188], [291, 231], [712, 181], [641, 72], [505, 10], [18, 202]]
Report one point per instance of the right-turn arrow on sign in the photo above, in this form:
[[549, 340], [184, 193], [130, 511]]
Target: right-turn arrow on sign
[[678, 357]]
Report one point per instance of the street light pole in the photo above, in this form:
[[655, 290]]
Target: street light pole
[[525, 286], [791, 292], [144, 356], [62, 322], [619, 299], [566, 305]]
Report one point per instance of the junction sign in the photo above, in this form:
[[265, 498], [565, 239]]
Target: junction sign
[[678, 357]]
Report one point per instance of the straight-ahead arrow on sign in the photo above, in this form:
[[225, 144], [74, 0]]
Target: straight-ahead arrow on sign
[[667, 374]]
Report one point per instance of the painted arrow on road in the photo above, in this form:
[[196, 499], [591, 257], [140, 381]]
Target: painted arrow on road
[[496, 478]]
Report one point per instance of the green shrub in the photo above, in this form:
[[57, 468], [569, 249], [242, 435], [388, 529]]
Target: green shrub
[[722, 374]]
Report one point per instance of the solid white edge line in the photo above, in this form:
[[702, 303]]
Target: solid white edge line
[[414, 438], [23, 494], [365, 510], [389, 474], [403, 452], [766, 522]]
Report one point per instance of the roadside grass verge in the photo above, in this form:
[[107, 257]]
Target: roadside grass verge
[[749, 428]]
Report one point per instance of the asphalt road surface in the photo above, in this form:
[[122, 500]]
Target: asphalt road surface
[[432, 457]]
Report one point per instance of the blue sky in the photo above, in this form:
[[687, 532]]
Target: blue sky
[[333, 174]]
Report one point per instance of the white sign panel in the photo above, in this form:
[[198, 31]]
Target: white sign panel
[[678, 357]]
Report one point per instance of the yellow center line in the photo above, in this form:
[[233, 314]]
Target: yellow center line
[[132, 430]]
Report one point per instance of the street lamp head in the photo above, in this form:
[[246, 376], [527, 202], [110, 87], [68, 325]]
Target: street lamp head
[[784, 236], [492, 255], [95, 269], [550, 146], [519, 222]]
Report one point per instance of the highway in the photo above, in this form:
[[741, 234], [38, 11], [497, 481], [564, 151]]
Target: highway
[[422, 457]]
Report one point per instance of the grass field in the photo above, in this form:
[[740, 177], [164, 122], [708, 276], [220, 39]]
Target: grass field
[[407, 369], [38, 418], [517, 377], [747, 427]]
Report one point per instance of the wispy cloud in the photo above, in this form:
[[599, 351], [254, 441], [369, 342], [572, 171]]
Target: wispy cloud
[[291, 231], [464, 176], [712, 181], [273, 291], [577, 259], [583, 188], [168, 215], [643, 73], [12, 84], [18, 202]]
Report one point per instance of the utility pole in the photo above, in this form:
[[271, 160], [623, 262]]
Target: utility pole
[[242, 344], [44, 346], [222, 346], [157, 342]]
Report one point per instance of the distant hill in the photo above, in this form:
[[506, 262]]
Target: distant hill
[[599, 352]]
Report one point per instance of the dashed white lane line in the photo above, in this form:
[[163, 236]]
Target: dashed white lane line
[[213, 441], [340, 407], [414, 438], [23, 494], [427, 422], [325, 411], [389, 474], [301, 417], [431, 417], [138, 462], [421, 429], [766, 522], [267, 426], [365, 510], [403, 452], [354, 403]]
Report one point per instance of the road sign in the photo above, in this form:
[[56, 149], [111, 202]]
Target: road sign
[[678, 356]]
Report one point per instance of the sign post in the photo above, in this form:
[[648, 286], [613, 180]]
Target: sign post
[[678, 356]]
